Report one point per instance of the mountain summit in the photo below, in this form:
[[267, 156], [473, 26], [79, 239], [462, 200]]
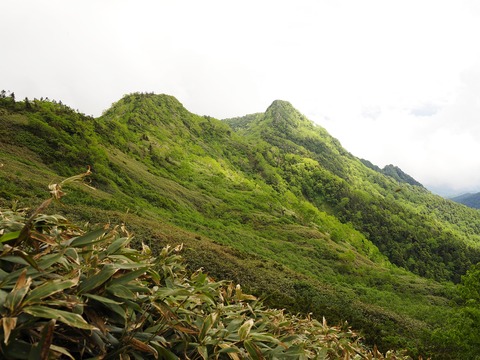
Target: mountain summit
[[394, 172], [289, 130], [285, 118]]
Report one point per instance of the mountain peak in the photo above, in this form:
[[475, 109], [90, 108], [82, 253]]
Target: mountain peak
[[147, 108], [138, 100], [284, 117], [161, 100], [398, 174], [280, 104], [393, 172]]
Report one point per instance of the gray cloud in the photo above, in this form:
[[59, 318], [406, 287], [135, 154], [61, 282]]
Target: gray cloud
[[427, 109]]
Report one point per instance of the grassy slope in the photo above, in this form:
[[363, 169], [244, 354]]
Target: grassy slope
[[177, 177]]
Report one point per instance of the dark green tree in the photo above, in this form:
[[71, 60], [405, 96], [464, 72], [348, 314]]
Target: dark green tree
[[470, 286]]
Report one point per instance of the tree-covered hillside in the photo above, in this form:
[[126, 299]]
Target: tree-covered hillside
[[270, 201], [414, 228]]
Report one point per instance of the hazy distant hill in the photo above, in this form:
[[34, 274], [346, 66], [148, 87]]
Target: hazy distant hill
[[270, 200], [471, 200]]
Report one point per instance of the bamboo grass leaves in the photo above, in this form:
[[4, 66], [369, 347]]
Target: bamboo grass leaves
[[94, 296]]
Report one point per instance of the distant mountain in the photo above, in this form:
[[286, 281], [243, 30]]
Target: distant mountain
[[269, 200], [394, 172], [471, 200]]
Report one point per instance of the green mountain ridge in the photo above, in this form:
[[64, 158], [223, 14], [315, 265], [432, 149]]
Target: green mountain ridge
[[354, 200], [394, 172], [269, 200]]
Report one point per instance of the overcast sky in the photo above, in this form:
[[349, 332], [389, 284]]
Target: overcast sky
[[395, 81]]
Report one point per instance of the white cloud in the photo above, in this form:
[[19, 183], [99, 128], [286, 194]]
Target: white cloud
[[395, 82]]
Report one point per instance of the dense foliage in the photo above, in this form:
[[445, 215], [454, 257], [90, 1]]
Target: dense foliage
[[386, 209], [270, 201], [66, 293]]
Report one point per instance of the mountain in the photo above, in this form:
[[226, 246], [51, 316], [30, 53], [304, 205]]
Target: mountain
[[471, 200], [339, 183], [269, 200], [394, 172]]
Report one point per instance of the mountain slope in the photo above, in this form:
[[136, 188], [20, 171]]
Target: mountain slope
[[269, 200], [471, 200], [426, 235]]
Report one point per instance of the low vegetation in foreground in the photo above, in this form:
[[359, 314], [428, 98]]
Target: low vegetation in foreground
[[70, 293]]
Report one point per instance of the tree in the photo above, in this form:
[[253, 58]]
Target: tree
[[470, 286], [28, 106]]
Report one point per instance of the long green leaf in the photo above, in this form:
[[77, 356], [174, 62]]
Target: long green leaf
[[117, 244], [98, 279], [252, 350], [65, 317], [297, 351], [9, 236], [48, 260], [244, 330], [228, 349], [27, 257], [102, 299], [3, 274], [124, 279], [48, 289], [202, 350], [3, 297], [72, 254], [88, 239], [118, 310], [164, 292], [132, 265], [265, 338], [15, 259], [121, 291], [166, 354], [209, 321], [9, 280], [14, 299]]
